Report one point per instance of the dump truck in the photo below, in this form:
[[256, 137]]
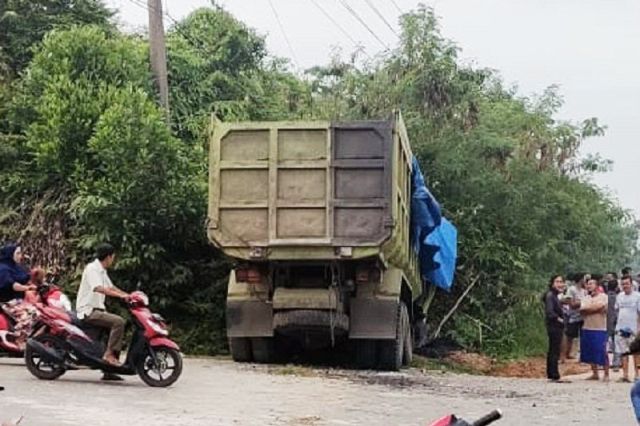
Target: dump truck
[[316, 216]]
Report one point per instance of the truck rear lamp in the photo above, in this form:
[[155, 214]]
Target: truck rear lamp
[[362, 276], [242, 275], [366, 275], [254, 276], [248, 275]]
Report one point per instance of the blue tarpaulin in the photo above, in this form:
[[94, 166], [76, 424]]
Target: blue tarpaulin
[[433, 237]]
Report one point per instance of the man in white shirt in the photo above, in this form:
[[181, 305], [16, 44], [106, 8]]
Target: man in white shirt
[[94, 287], [628, 308]]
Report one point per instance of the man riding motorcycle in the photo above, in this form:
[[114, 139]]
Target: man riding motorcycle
[[94, 288]]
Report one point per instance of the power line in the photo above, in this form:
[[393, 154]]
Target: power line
[[284, 33], [396, 5], [330, 18], [364, 24], [381, 16]]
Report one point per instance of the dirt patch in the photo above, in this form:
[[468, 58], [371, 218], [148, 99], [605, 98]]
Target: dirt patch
[[473, 362], [536, 368], [529, 368]]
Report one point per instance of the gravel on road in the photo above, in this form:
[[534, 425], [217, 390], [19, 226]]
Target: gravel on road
[[220, 392]]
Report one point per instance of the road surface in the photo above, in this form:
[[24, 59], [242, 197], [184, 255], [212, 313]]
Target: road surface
[[219, 392]]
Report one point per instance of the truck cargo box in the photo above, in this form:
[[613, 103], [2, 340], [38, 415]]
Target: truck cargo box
[[310, 190]]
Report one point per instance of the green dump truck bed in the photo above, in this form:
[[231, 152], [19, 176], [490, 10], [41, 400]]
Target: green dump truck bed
[[311, 190]]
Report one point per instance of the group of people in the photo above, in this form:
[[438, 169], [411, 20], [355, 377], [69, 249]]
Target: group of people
[[18, 293], [603, 312]]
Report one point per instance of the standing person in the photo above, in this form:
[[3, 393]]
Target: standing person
[[95, 285], [628, 308], [554, 321], [628, 271], [574, 321], [593, 337]]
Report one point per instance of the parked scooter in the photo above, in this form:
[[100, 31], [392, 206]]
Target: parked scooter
[[452, 420], [63, 343]]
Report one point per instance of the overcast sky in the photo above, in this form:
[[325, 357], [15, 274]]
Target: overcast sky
[[590, 48]]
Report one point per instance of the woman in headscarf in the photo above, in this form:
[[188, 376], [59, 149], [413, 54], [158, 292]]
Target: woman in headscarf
[[14, 286], [14, 278]]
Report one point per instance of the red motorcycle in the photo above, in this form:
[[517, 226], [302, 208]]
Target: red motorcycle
[[8, 337], [62, 343], [48, 295], [452, 420]]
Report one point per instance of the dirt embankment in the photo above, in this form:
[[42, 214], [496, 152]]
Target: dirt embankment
[[534, 368]]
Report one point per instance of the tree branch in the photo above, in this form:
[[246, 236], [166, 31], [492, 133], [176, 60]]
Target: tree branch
[[454, 308]]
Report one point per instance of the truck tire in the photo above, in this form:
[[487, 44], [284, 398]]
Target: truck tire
[[365, 353], [263, 349], [391, 351], [240, 348]]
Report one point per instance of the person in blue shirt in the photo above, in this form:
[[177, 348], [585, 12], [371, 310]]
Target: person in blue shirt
[[14, 278]]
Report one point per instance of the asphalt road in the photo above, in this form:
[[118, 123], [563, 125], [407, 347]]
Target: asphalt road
[[219, 392]]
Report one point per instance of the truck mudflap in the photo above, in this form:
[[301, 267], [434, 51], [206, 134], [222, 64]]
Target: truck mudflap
[[249, 318], [373, 318], [307, 319]]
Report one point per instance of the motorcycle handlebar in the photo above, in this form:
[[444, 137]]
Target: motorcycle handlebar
[[488, 419]]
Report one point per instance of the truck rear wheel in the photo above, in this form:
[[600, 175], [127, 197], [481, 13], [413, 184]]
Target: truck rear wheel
[[391, 351], [263, 349], [240, 348]]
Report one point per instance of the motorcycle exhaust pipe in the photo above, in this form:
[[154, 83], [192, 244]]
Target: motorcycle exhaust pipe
[[45, 352]]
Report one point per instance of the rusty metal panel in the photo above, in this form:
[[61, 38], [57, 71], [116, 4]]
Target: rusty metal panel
[[301, 223], [360, 183], [245, 145], [360, 140], [358, 223], [362, 154], [302, 185], [242, 226], [302, 144], [239, 185]]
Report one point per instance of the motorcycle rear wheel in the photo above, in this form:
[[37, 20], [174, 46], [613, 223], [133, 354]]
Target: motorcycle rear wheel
[[152, 373], [45, 370]]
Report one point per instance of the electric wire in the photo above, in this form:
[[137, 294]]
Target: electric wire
[[381, 16], [363, 23], [284, 33], [337, 25], [396, 5]]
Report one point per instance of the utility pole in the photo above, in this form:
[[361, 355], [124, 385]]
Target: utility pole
[[158, 51]]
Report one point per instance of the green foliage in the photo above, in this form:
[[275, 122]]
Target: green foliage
[[218, 65], [507, 173], [23, 23]]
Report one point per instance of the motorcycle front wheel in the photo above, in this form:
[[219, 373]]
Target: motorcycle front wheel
[[162, 371], [38, 365]]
